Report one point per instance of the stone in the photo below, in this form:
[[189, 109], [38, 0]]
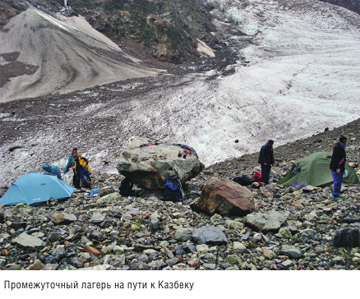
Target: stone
[[267, 222], [97, 218], [232, 224], [92, 250], [284, 232], [269, 254], [53, 237], [239, 247], [224, 197], [184, 234], [28, 241], [59, 253], [233, 259], [194, 262], [291, 251], [147, 162], [37, 265], [347, 237], [173, 261], [209, 235], [63, 218], [109, 198]]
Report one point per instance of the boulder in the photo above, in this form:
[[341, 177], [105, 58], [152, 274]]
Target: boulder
[[269, 221], [224, 197], [147, 162], [209, 235], [347, 237]]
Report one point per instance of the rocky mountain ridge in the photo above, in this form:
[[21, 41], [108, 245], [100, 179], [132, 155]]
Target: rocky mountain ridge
[[159, 31]]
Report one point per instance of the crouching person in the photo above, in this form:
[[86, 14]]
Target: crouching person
[[53, 169]]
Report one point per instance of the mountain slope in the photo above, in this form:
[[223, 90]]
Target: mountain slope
[[44, 55]]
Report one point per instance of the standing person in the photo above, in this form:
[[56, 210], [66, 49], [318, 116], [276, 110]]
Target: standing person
[[70, 162], [266, 160], [81, 171], [337, 166]]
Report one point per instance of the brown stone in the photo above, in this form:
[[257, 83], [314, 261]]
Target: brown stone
[[224, 197], [92, 250]]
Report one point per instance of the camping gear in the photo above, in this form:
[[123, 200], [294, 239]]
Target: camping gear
[[36, 188], [314, 170], [126, 187], [85, 177], [243, 180], [94, 192], [173, 189]]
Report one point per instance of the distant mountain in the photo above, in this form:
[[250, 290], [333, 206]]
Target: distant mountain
[[169, 31]]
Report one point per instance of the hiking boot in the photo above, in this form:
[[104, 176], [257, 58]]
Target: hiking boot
[[335, 198]]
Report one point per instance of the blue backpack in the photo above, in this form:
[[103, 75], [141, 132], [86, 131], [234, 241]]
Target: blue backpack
[[172, 189]]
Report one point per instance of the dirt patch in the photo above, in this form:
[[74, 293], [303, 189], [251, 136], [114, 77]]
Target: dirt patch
[[14, 68]]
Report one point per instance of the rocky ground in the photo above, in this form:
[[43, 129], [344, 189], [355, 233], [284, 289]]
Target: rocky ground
[[144, 232]]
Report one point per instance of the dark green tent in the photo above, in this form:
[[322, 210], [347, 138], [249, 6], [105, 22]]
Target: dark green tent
[[314, 170]]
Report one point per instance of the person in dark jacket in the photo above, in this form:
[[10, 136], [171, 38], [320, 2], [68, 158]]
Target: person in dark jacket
[[266, 160], [337, 166]]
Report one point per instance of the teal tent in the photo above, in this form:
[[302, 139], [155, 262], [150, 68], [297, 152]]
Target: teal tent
[[36, 188], [314, 170]]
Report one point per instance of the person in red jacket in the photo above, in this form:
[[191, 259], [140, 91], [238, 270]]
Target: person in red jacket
[[337, 166]]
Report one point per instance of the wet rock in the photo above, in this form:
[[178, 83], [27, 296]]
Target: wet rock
[[224, 197], [348, 237], [209, 235]]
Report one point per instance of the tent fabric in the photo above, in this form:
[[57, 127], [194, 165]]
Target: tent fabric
[[35, 188], [314, 170]]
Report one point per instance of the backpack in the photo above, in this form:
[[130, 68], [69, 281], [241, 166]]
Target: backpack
[[125, 188], [85, 177], [243, 180], [172, 189]]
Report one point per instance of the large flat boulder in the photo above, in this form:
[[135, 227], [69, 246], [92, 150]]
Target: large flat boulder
[[224, 197], [146, 162]]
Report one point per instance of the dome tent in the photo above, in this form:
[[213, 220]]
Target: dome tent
[[35, 188], [314, 170]]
